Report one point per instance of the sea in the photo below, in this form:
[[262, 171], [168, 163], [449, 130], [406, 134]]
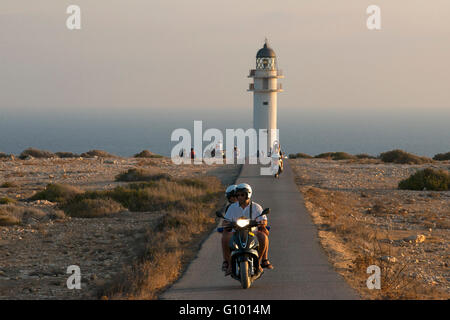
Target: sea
[[125, 132]]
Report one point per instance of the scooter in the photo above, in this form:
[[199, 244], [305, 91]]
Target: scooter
[[277, 167], [244, 249]]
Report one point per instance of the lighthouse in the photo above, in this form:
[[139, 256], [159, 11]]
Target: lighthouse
[[265, 88]]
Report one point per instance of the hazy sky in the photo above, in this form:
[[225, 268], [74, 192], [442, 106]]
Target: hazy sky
[[171, 54]]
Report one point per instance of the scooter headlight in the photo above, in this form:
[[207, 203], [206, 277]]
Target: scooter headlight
[[243, 222]]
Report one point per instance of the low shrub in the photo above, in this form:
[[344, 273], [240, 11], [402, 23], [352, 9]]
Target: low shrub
[[146, 199], [427, 179], [156, 195], [55, 192], [7, 220], [364, 156], [5, 156], [192, 182], [93, 208], [8, 184], [402, 157], [147, 154], [6, 200], [335, 156], [97, 153], [300, 155], [31, 213], [36, 153], [12, 214], [67, 155], [442, 156], [56, 214], [136, 174]]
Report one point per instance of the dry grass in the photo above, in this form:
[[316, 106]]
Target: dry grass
[[395, 282], [12, 215], [353, 245], [93, 208], [137, 174], [8, 184], [56, 193], [171, 242], [187, 205], [8, 220], [6, 200]]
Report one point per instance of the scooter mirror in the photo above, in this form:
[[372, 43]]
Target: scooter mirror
[[219, 214], [266, 211]]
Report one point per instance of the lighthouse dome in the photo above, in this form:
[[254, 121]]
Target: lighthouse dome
[[265, 52]]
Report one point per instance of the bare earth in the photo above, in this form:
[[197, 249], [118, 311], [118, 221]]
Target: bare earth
[[363, 219], [34, 256]]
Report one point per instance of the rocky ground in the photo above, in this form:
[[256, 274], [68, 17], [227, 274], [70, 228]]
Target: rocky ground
[[364, 219], [35, 255]]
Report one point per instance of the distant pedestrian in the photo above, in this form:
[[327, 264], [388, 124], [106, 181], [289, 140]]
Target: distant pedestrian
[[192, 154], [236, 154]]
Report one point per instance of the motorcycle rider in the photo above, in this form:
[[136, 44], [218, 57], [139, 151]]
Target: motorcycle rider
[[245, 207], [277, 164]]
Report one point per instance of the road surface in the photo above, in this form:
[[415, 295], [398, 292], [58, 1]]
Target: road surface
[[301, 271]]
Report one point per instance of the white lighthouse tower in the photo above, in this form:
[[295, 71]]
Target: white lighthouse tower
[[265, 88]]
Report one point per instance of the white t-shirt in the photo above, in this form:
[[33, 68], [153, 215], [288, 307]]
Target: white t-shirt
[[235, 211]]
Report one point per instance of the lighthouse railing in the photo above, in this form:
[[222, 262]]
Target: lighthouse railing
[[272, 74]]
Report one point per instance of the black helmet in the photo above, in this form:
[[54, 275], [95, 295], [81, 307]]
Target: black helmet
[[231, 191]]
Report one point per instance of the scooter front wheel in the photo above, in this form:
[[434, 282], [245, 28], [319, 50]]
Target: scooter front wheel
[[245, 278]]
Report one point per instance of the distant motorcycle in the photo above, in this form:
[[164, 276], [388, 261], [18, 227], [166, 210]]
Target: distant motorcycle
[[277, 167], [244, 249]]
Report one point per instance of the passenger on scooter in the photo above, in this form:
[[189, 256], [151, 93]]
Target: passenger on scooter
[[230, 193], [246, 207]]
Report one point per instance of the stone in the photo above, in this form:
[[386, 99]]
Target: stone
[[389, 259], [415, 238]]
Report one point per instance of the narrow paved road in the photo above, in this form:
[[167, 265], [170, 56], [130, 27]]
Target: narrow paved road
[[302, 270]]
